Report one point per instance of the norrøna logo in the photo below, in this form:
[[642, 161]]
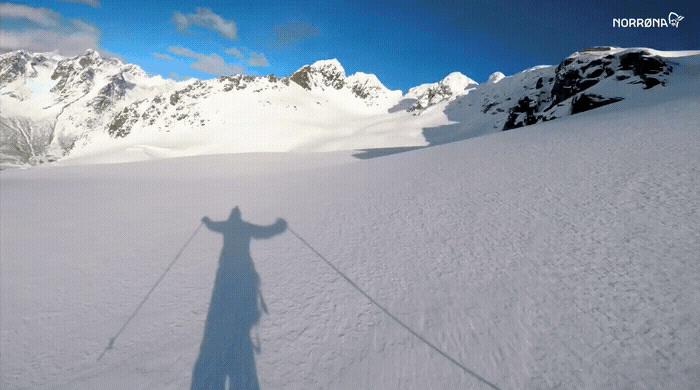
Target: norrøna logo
[[673, 20]]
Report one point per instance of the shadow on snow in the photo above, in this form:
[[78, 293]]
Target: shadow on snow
[[437, 135], [226, 354]]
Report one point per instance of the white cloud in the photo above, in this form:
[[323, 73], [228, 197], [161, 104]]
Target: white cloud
[[48, 31], [208, 63], [177, 77], [214, 64], [83, 26], [182, 51], [235, 52], [92, 3], [257, 59], [44, 17], [180, 21], [291, 32], [163, 56], [44, 41], [207, 19]]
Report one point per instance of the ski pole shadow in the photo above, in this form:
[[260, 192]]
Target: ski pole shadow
[[226, 356]]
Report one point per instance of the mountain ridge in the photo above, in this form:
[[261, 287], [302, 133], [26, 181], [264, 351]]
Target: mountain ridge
[[54, 107]]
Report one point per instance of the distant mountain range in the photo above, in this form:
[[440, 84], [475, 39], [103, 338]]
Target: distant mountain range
[[53, 107]]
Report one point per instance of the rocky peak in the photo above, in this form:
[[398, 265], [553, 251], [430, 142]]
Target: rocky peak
[[20, 63], [13, 65], [365, 84], [79, 74], [584, 69], [89, 58], [320, 74], [451, 86], [114, 90], [571, 88]]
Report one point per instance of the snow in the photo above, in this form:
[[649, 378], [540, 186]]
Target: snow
[[455, 83], [363, 78], [616, 50], [294, 119], [562, 254], [496, 77], [376, 91], [331, 64]]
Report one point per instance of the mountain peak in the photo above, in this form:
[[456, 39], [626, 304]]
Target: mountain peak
[[453, 85], [92, 53], [320, 74], [457, 82], [330, 64], [367, 86], [362, 77], [496, 77]]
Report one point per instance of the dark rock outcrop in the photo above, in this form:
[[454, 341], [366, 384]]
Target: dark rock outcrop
[[585, 102], [579, 73]]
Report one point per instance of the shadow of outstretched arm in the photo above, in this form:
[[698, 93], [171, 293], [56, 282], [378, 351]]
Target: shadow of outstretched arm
[[257, 231], [214, 226]]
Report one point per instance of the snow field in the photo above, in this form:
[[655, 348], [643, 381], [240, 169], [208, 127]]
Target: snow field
[[561, 254]]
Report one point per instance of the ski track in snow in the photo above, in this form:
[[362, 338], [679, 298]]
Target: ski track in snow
[[562, 255]]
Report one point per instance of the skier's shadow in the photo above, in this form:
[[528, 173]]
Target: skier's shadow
[[226, 352]]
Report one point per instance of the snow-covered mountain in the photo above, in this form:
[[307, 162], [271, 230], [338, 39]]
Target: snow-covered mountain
[[99, 108], [49, 103], [53, 105]]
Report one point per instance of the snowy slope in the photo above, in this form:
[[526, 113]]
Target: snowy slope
[[584, 81], [561, 255]]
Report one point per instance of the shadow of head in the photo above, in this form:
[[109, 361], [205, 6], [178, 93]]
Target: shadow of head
[[235, 214]]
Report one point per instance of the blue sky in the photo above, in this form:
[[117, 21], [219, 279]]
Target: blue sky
[[405, 43]]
